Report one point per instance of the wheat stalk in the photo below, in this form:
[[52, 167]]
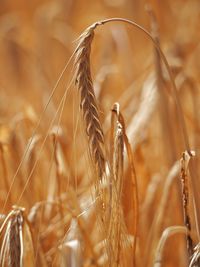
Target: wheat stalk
[[172, 230], [93, 126]]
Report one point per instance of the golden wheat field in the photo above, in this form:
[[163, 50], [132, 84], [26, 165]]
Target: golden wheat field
[[99, 133]]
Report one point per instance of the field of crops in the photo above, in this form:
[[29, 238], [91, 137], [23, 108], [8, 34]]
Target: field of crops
[[99, 133]]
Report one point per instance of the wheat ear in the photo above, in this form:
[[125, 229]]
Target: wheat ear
[[116, 217], [12, 242], [133, 184], [15, 240], [185, 199], [88, 100]]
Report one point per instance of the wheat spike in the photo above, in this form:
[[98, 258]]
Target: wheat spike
[[15, 248], [185, 198], [88, 99], [12, 242], [116, 213]]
